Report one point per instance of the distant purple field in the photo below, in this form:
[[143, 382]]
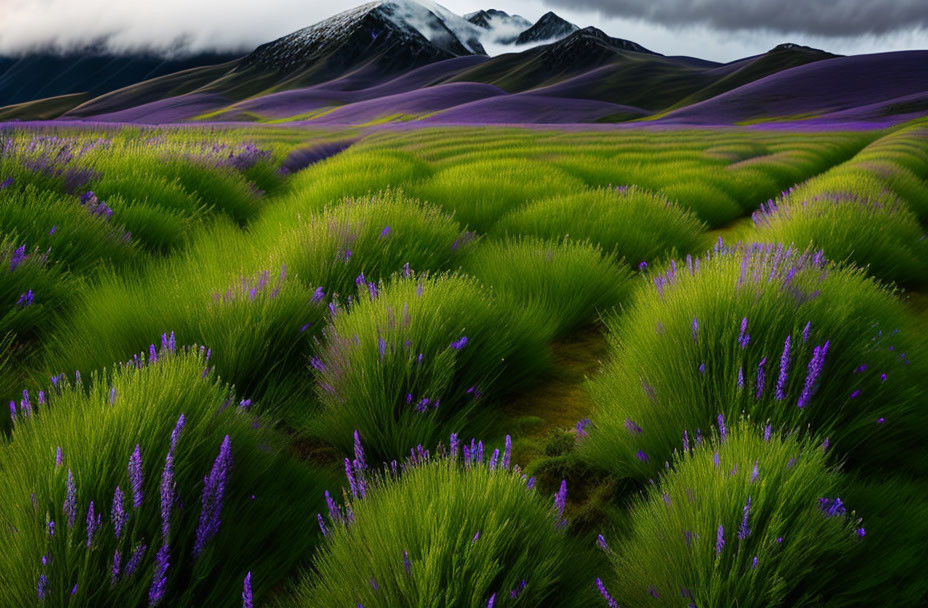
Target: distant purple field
[[826, 87]]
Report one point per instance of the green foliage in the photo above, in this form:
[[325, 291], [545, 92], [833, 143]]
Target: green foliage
[[375, 235], [568, 282], [665, 378], [880, 234], [630, 223], [411, 363], [480, 192], [433, 513], [254, 318], [673, 546], [97, 424]]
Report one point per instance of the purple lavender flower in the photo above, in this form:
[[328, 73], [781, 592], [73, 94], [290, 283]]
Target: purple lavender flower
[[160, 578], [695, 330], [135, 476], [493, 459], [460, 343], [93, 523], [754, 563], [119, 515], [406, 564], [385, 232], [518, 590], [70, 501], [581, 427], [453, 446], [359, 450], [719, 540], [492, 601], [476, 537], [832, 507], [880, 420], [167, 495], [723, 432], [784, 371], [322, 528], [19, 254], [686, 441], [560, 502], [507, 452], [740, 378], [42, 587], [58, 457], [601, 543], [25, 299], [767, 430], [702, 368], [814, 371], [135, 559], [642, 456], [213, 492], [744, 338], [715, 459], [754, 472], [642, 266], [247, 599], [114, 571], [744, 531], [6, 183], [176, 432], [407, 272], [632, 427], [855, 394], [13, 411], [861, 532], [530, 483], [805, 332], [653, 592], [602, 591], [760, 378], [51, 527]]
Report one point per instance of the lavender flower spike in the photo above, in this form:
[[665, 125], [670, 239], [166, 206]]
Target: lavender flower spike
[[135, 476], [814, 371], [93, 523], [602, 591], [167, 495], [507, 453], [70, 501], [160, 579], [723, 432], [744, 531], [359, 450], [247, 599], [761, 376], [119, 515], [560, 502], [213, 492], [719, 540], [784, 371]]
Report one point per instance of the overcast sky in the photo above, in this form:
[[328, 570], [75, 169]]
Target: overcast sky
[[721, 30]]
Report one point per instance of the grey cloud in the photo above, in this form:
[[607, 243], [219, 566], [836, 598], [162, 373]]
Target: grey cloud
[[830, 18]]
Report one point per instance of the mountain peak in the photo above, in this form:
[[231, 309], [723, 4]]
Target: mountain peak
[[421, 32], [548, 27]]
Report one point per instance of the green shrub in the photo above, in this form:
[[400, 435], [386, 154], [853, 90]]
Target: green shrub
[[745, 521], [709, 339], [628, 222], [443, 534], [410, 361], [80, 241], [880, 234], [259, 321], [480, 193], [72, 456], [376, 235], [569, 283]]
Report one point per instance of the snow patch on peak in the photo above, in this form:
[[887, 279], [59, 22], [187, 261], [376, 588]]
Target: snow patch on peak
[[434, 21]]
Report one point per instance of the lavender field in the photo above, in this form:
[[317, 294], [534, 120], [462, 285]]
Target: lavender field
[[408, 324]]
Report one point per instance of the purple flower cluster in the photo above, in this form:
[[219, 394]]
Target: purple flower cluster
[[214, 486]]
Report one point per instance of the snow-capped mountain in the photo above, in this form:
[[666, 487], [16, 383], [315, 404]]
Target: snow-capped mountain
[[421, 31], [499, 26], [549, 28]]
